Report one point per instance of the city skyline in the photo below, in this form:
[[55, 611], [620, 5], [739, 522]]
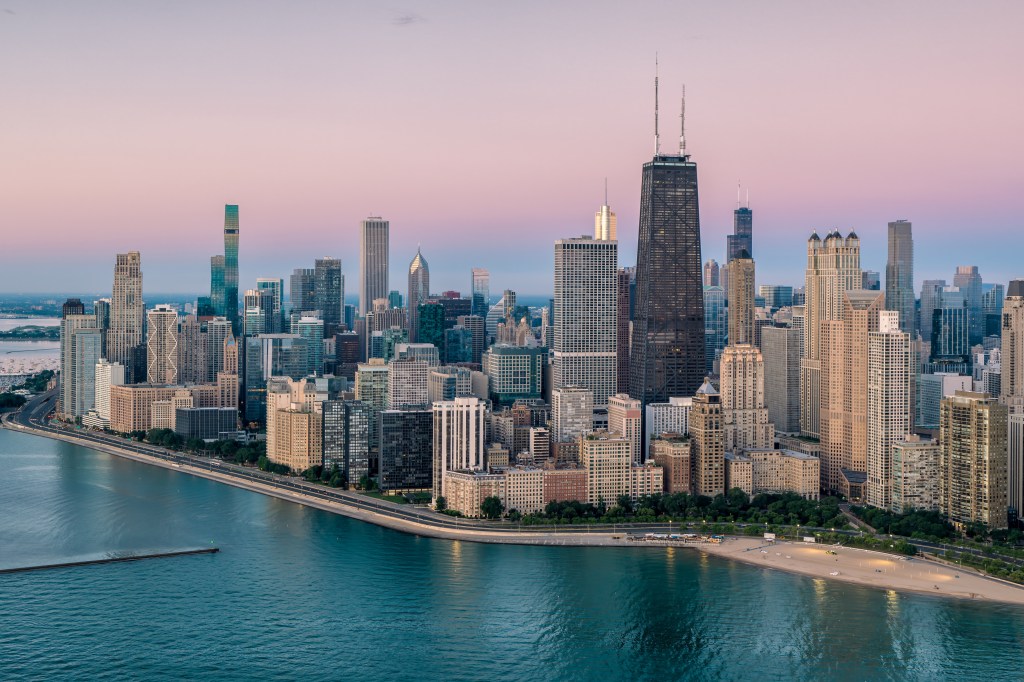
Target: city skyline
[[804, 134]]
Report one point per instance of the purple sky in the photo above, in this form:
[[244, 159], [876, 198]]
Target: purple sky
[[484, 131]]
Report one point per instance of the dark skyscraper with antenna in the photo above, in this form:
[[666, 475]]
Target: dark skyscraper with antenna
[[742, 237], [667, 357]]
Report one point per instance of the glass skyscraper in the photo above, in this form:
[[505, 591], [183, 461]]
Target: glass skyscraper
[[231, 266], [742, 237], [667, 355], [899, 275]]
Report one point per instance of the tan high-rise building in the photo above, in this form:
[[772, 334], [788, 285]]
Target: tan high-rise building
[[606, 458], [624, 414], [973, 459], [741, 300], [1011, 388], [192, 351], [294, 424], [915, 475], [833, 267], [745, 422], [890, 403], [844, 395], [127, 315], [605, 224], [162, 345], [707, 444]]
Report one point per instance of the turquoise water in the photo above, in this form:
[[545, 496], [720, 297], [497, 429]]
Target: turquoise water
[[302, 594]]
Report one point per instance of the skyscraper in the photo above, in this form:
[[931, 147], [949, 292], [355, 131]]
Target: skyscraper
[[329, 293], [302, 291], [231, 266], [950, 342], [741, 300], [844, 400], [781, 349], [931, 291], [459, 429], [622, 331], [745, 422], [217, 291], [716, 325], [742, 237], [419, 291], [968, 279], [75, 375], [373, 262], [162, 345], [481, 292], [258, 312], [667, 352], [890, 400], [833, 267], [707, 442], [973, 464], [711, 273], [127, 317], [605, 223], [1012, 380], [586, 316], [899, 275], [275, 285]]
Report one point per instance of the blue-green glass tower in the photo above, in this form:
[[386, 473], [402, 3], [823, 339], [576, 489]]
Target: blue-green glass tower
[[231, 266]]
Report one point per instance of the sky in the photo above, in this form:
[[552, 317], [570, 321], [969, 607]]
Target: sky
[[484, 131]]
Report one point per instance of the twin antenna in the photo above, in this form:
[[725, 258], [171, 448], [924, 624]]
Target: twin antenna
[[682, 117]]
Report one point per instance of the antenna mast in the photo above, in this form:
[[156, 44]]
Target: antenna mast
[[682, 125], [657, 142]]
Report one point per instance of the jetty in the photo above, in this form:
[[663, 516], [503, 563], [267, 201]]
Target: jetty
[[111, 560]]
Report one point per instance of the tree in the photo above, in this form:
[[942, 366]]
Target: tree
[[440, 504], [491, 507], [625, 502], [11, 400], [514, 516]]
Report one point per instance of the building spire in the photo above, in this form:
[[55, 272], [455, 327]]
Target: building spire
[[657, 142], [737, 194], [682, 125], [606, 191]]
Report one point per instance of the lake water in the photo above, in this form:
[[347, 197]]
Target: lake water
[[28, 357], [298, 593]]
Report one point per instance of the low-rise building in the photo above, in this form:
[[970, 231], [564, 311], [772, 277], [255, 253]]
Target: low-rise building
[[524, 489], [785, 471], [564, 484], [672, 453], [739, 473], [467, 490], [205, 423], [645, 480]]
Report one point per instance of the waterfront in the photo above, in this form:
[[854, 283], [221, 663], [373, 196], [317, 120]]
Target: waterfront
[[297, 592], [28, 357]]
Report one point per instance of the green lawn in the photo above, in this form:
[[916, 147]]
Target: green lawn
[[398, 499]]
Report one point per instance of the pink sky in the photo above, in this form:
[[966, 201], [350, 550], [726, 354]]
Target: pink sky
[[485, 130]]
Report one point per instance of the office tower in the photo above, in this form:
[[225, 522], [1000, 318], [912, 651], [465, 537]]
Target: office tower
[[328, 293], [931, 294], [622, 331], [395, 299], [430, 324], [745, 422], [870, 280], [1015, 468], [459, 429], [259, 312], [162, 345], [427, 352], [991, 309], [711, 273], [950, 343], [458, 345], [672, 417], [101, 309], [275, 285], [780, 347], [1011, 391], [230, 309], [373, 262], [915, 474], [716, 325], [586, 316], [707, 442], [127, 317], [80, 344], [454, 307], [508, 303], [475, 325], [605, 223], [890, 401], [741, 300], [723, 277], [742, 237], [406, 450], [346, 438], [481, 292], [302, 290], [776, 296], [218, 330], [294, 424], [192, 363], [833, 267], [515, 373], [72, 306], [266, 356], [844, 398], [973, 460], [407, 384], [931, 389], [107, 375], [419, 291], [540, 443], [572, 413], [899, 275], [606, 458], [968, 279], [371, 386], [311, 329], [667, 352], [218, 292], [624, 417], [449, 383]]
